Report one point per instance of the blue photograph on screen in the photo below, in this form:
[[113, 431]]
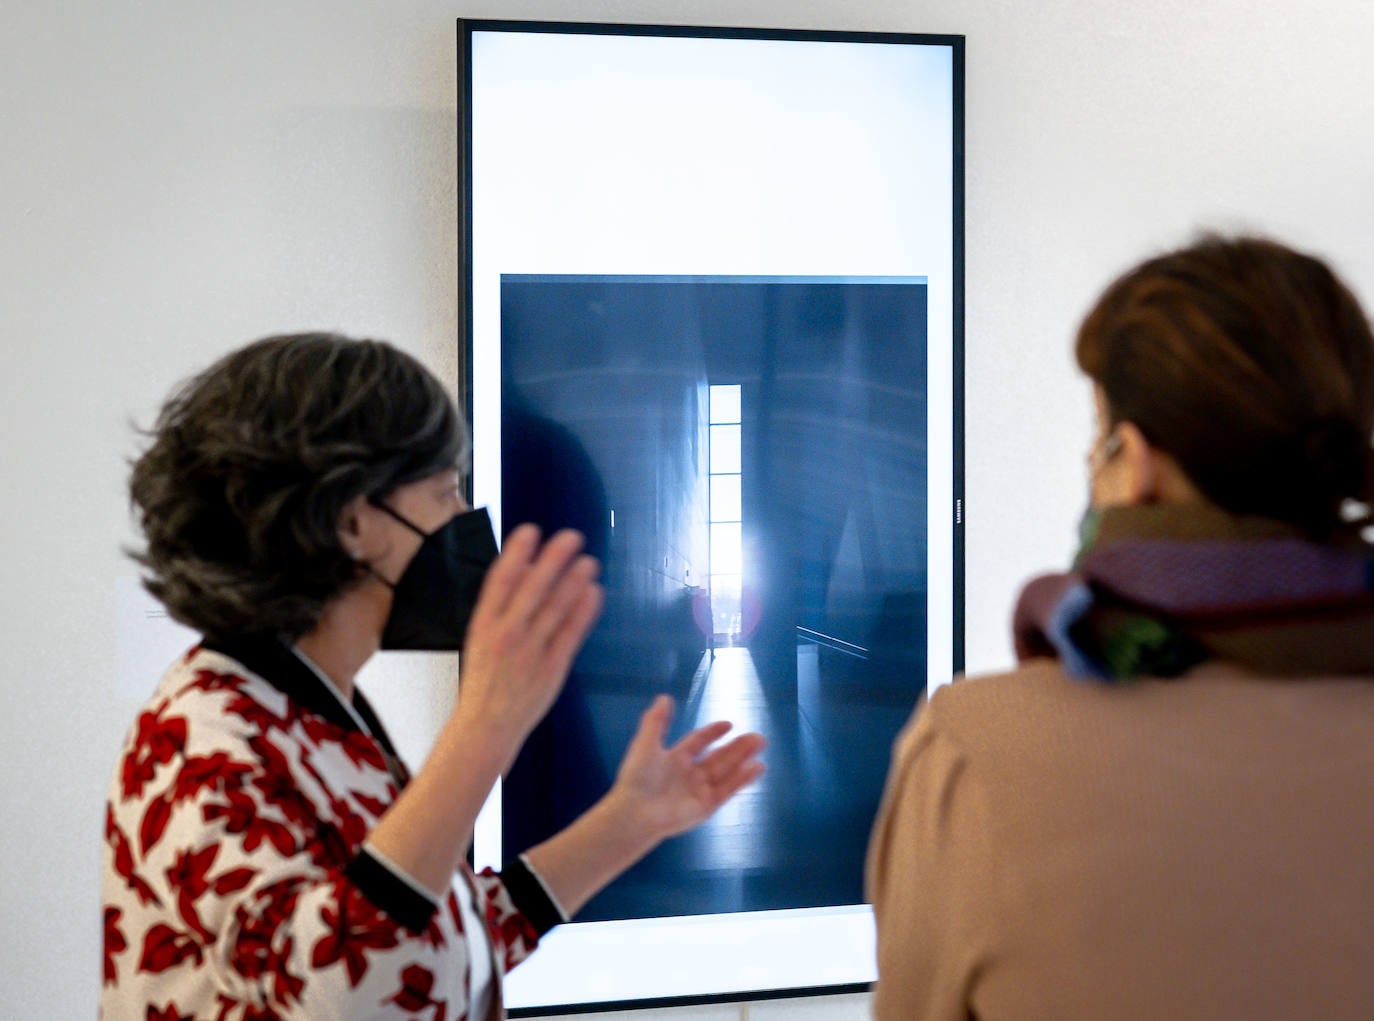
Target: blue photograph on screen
[[747, 456]]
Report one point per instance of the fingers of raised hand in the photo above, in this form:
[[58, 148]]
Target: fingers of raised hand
[[731, 766], [702, 738], [653, 724], [537, 597], [561, 600], [506, 575], [536, 607], [564, 642], [550, 574], [717, 776]]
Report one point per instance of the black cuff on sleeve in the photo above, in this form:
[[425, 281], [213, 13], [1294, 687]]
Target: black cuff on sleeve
[[390, 893], [527, 893]]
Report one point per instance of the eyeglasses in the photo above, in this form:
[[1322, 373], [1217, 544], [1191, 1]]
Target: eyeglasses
[[1103, 451]]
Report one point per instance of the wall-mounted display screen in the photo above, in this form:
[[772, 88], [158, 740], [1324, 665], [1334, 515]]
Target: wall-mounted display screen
[[714, 321]]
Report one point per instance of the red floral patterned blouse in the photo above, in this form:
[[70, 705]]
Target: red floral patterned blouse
[[237, 886]]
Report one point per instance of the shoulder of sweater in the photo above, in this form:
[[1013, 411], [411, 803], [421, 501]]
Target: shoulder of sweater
[[1037, 705], [1033, 680], [961, 713], [1026, 707]]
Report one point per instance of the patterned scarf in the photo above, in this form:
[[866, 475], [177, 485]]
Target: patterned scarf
[[1157, 589]]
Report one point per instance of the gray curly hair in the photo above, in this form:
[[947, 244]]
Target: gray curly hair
[[252, 461]]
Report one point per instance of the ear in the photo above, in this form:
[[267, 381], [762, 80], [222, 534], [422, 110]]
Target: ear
[[1137, 463], [353, 527], [1148, 474]]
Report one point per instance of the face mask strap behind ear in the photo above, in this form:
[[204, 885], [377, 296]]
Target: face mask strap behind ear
[[399, 517], [403, 520]]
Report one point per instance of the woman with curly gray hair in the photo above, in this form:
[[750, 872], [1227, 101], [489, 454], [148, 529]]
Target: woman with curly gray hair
[[267, 855]]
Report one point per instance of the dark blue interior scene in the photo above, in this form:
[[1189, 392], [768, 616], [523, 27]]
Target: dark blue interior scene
[[747, 456]]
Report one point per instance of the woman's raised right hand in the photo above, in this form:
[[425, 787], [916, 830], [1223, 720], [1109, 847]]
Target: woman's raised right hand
[[536, 607]]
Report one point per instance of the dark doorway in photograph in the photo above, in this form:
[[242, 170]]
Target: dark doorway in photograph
[[747, 456]]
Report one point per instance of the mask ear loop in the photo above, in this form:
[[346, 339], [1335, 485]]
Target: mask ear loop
[[357, 555], [399, 517]]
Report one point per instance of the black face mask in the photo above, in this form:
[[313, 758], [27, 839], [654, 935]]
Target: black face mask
[[433, 599]]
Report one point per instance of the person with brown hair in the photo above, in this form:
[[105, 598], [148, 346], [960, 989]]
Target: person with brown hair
[[1163, 811], [267, 855]]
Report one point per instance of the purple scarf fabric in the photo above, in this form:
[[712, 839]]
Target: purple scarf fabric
[[1161, 588]]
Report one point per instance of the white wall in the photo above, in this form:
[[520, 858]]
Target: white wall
[[177, 178]]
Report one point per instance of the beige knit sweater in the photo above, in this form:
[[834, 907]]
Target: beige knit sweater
[[1197, 848]]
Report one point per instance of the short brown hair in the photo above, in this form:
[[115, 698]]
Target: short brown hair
[[252, 462], [1252, 365]]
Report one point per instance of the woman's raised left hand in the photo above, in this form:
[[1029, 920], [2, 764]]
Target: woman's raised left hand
[[658, 793], [668, 790]]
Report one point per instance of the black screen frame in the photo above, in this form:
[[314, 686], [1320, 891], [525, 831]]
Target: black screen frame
[[466, 28]]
